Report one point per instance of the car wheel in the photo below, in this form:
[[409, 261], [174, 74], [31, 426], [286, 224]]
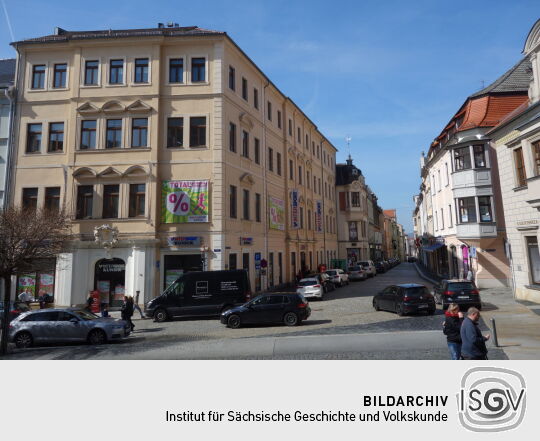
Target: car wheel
[[376, 305], [290, 319], [23, 340], [160, 315], [234, 321], [97, 337], [399, 310]]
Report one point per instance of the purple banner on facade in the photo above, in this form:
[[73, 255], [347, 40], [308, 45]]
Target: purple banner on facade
[[295, 203], [318, 217]]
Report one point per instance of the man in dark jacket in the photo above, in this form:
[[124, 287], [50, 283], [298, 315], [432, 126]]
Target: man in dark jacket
[[473, 342]]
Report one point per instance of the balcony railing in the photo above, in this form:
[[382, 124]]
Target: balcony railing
[[471, 178], [476, 230]]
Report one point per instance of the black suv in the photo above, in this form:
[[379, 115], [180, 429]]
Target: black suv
[[286, 308], [462, 292], [404, 299]]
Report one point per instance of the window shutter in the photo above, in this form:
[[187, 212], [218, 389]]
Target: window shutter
[[342, 204]]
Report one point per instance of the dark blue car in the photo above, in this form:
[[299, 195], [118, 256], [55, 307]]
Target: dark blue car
[[287, 308]]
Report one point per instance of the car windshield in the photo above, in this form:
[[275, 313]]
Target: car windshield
[[85, 315], [307, 282], [457, 286], [331, 273], [417, 291], [354, 268]]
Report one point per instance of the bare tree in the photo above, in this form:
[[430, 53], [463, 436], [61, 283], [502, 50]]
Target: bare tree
[[28, 238]]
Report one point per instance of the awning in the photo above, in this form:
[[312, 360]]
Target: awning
[[434, 247]]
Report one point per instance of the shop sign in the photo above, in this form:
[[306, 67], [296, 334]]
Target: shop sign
[[246, 241], [184, 202], [178, 241], [318, 217], [276, 211], [295, 202], [473, 252], [217, 250], [112, 267], [257, 261]]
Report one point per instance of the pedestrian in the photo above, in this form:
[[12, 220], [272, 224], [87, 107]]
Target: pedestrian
[[452, 330], [136, 305], [470, 276], [42, 299], [473, 346], [26, 296], [89, 303], [127, 311]]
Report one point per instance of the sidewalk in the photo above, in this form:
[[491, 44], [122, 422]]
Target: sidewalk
[[518, 326]]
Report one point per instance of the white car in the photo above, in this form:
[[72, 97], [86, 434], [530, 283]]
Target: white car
[[369, 267], [310, 287], [338, 276], [356, 273]]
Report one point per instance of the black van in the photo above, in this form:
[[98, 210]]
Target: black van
[[202, 293]]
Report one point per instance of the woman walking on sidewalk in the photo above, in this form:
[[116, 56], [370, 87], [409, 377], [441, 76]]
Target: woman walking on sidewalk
[[127, 311], [452, 330]]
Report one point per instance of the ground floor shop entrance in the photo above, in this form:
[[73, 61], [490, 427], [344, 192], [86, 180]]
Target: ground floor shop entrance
[[174, 265], [110, 281]]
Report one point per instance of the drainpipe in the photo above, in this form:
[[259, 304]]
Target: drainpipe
[[264, 154], [323, 220], [11, 95]]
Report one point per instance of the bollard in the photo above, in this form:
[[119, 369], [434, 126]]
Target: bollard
[[494, 329]]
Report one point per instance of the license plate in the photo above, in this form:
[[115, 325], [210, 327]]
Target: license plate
[[463, 297], [422, 306]]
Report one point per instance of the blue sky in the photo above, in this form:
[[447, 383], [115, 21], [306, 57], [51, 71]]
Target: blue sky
[[390, 74]]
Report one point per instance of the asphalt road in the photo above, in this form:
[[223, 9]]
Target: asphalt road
[[342, 326]]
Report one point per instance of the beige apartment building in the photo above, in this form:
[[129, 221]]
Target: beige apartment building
[[171, 151], [353, 219]]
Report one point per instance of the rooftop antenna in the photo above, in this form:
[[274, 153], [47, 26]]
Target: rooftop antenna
[[348, 140]]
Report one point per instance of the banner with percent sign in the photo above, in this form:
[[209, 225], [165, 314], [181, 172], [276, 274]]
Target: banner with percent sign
[[184, 202]]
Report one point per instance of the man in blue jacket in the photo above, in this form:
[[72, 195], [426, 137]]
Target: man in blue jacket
[[473, 342]]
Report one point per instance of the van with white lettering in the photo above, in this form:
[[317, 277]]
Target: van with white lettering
[[200, 294]]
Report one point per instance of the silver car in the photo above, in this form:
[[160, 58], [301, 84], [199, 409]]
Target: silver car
[[65, 325], [356, 273], [310, 287], [338, 277]]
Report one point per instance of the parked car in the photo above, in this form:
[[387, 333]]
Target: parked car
[[287, 308], [411, 259], [379, 266], [356, 273], [310, 287], [201, 293], [368, 267], [64, 326], [15, 309], [404, 299], [463, 292], [338, 277]]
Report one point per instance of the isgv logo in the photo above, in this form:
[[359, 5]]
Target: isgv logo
[[491, 399]]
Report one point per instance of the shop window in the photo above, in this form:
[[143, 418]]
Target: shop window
[[519, 164], [534, 259], [139, 132], [109, 281], [29, 198], [232, 261], [39, 284], [175, 132], [33, 138], [467, 210], [197, 131], [52, 198], [479, 152], [177, 264], [245, 261], [137, 198], [111, 195], [484, 206], [85, 197], [462, 158]]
